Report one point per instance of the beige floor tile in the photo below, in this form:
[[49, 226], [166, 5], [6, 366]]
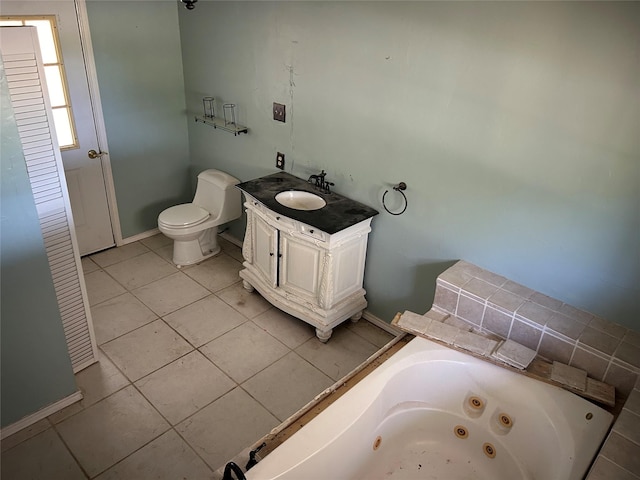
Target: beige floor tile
[[342, 353], [89, 265], [100, 380], [25, 434], [370, 332], [216, 273], [227, 426], [168, 457], [117, 429], [156, 242], [244, 351], [185, 386], [146, 349], [231, 249], [205, 320], [291, 374], [41, 457], [166, 252], [140, 270], [95, 382], [170, 293], [115, 255], [118, 316], [291, 331], [101, 287], [250, 304], [113, 428]]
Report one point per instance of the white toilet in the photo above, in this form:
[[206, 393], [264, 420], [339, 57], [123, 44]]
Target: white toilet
[[194, 226]]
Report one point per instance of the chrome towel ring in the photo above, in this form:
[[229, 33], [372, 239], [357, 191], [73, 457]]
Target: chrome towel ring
[[398, 188]]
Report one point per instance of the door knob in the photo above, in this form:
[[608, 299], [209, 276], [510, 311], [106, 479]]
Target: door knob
[[93, 154]]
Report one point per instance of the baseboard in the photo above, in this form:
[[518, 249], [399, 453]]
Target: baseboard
[[40, 414], [230, 238], [378, 322], [140, 236], [155, 231]]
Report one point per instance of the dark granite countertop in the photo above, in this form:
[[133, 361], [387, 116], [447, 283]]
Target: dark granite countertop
[[339, 212]]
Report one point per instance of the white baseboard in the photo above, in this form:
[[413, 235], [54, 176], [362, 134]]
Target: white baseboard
[[378, 322], [40, 414], [230, 238], [140, 236], [155, 231]]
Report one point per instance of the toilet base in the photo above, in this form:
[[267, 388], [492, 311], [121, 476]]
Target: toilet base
[[189, 252]]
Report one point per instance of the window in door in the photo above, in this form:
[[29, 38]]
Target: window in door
[[54, 73]]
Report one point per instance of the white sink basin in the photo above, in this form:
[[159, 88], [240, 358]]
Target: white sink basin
[[299, 200]]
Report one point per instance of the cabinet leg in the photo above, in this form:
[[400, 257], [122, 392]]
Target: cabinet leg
[[323, 335], [355, 317], [247, 286]]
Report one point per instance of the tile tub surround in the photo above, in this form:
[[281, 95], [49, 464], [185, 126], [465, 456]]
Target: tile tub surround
[[555, 330], [619, 457], [560, 332]]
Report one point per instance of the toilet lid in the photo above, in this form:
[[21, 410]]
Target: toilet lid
[[183, 215]]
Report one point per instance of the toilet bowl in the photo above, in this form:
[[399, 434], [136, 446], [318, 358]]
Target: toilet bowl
[[193, 227]]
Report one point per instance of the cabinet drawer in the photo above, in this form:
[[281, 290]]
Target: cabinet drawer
[[274, 219], [313, 232], [281, 221]]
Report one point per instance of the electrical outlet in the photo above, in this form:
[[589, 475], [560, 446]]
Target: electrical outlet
[[280, 160], [279, 112]]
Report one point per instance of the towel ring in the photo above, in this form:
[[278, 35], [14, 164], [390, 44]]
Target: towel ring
[[398, 188]]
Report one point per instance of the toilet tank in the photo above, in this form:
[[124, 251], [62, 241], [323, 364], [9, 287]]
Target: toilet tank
[[217, 193]]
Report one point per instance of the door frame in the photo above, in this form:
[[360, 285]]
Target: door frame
[[98, 117]]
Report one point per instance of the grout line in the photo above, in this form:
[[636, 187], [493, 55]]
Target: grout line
[[573, 352], [55, 430], [132, 383], [513, 319], [119, 261], [617, 465], [631, 412]]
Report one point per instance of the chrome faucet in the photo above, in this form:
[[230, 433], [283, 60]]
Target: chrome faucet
[[320, 183]]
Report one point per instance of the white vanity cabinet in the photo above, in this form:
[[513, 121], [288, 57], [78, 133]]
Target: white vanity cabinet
[[308, 273]]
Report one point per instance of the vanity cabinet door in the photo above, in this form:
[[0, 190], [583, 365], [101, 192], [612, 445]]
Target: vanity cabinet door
[[300, 266], [265, 250]]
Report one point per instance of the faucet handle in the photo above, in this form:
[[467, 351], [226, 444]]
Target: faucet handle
[[327, 186]]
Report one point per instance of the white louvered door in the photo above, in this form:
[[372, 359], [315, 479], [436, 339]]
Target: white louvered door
[[25, 76]]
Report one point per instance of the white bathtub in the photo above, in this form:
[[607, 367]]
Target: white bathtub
[[434, 413]]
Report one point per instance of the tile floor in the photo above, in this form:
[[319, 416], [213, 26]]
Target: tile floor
[[193, 369]]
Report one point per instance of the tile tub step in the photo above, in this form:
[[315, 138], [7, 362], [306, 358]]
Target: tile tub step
[[506, 354]]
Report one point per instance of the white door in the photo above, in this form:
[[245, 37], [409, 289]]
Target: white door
[[85, 176]]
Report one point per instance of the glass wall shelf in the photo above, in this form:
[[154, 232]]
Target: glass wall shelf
[[216, 122]]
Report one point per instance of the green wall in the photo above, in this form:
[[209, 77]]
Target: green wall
[[515, 126], [137, 53], [36, 369]]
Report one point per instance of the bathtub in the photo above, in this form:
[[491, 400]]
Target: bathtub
[[435, 413]]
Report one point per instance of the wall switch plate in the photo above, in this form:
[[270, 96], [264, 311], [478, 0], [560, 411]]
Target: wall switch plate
[[279, 112], [280, 160]]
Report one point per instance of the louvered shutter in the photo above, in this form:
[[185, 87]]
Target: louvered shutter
[[25, 76]]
